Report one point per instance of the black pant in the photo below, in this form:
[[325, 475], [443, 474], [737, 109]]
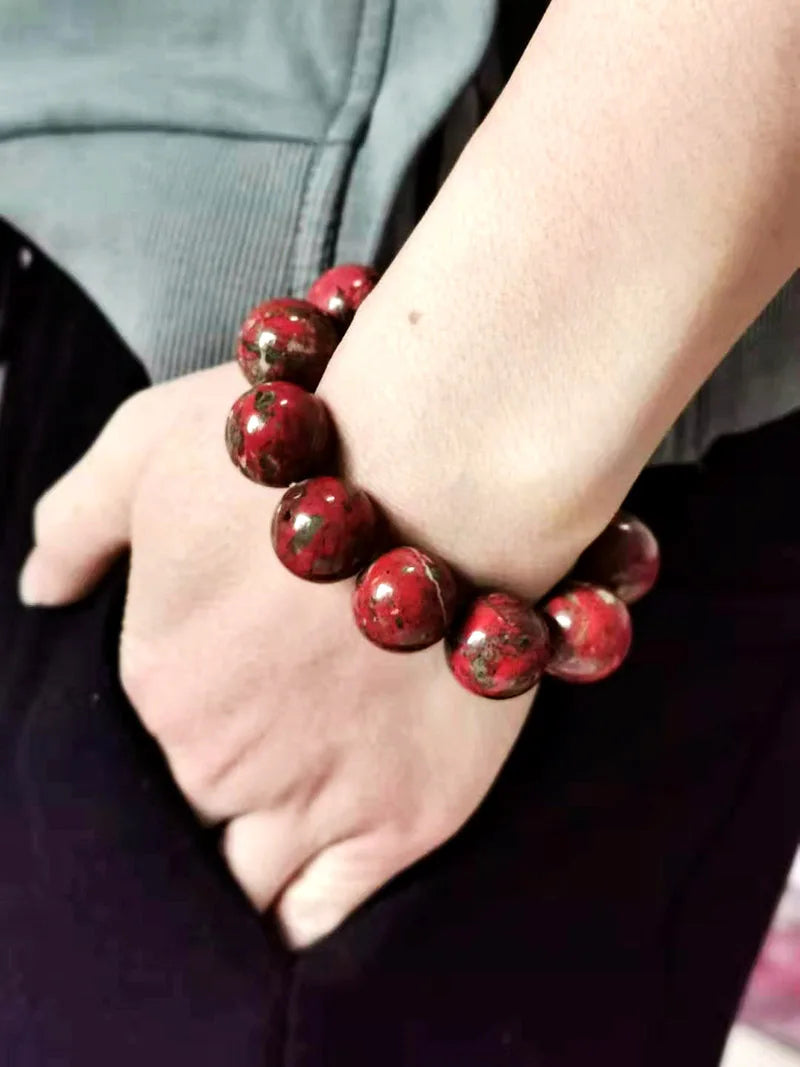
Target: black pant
[[604, 906]]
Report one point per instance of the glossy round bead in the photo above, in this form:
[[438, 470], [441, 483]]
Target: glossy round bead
[[625, 558], [404, 600], [341, 290], [286, 340], [323, 530], [277, 433], [500, 648], [591, 633]]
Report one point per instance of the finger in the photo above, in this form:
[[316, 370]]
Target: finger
[[334, 884], [263, 850], [82, 522]]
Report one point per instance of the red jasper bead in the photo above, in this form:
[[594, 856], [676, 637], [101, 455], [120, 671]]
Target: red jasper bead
[[322, 530], [500, 648], [286, 340], [625, 558], [277, 433], [591, 633], [405, 600], [341, 290]]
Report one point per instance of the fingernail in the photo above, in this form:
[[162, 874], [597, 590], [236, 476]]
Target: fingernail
[[35, 586]]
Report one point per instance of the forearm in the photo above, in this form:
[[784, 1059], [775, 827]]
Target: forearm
[[626, 210]]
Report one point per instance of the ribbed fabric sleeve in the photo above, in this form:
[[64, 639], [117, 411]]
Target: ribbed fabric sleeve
[[175, 232]]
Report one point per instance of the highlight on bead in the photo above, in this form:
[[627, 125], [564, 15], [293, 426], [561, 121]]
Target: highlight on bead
[[277, 433], [500, 648], [625, 558], [341, 290], [286, 340], [405, 600], [323, 530], [591, 632]]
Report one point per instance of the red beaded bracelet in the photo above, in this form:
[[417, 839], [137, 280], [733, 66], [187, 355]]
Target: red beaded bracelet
[[279, 434]]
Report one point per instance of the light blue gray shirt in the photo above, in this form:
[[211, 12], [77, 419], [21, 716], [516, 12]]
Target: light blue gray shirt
[[184, 158]]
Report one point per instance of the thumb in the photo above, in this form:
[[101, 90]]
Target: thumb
[[334, 884], [82, 522]]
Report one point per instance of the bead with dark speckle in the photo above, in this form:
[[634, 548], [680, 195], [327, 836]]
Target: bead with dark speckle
[[286, 340], [341, 290], [277, 433], [323, 530], [500, 648], [404, 600]]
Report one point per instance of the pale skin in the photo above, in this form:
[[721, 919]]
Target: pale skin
[[627, 209]]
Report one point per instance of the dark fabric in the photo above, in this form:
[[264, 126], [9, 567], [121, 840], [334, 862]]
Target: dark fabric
[[604, 906], [122, 941]]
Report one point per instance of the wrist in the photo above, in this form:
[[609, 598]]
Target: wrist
[[502, 499]]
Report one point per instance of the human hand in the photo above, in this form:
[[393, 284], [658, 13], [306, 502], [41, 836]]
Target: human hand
[[334, 764]]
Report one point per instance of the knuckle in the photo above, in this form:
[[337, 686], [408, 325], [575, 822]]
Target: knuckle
[[205, 757], [437, 826], [206, 776], [134, 674], [193, 776], [122, 434], [121, 430], [129, 411], [403, 844], [144, 681], [202, 769], [145, 415]]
